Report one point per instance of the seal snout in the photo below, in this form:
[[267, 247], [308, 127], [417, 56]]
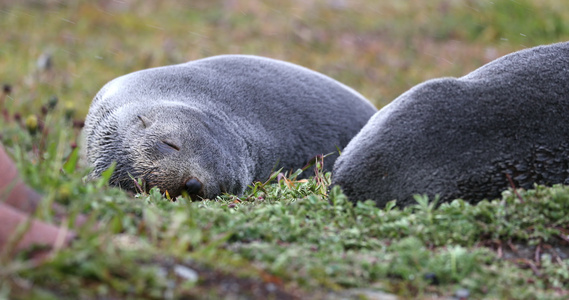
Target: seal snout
[[193, 186]]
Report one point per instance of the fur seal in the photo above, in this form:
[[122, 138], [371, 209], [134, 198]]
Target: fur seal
[[217, 124], [470, 137]]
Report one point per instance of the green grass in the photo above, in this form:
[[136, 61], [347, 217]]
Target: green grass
[[289, 238]]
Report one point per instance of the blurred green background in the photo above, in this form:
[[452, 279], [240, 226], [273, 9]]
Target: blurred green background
[[69, 49]]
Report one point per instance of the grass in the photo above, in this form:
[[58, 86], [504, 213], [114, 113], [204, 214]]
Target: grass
[[283, 238]]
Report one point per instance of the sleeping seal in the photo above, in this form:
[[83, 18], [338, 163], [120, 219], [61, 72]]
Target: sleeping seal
[[215, 125], [470, 137]]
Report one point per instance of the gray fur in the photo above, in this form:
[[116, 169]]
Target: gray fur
[[233, 118], [459, 137]]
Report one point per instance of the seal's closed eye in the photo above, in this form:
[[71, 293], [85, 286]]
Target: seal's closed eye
[[167, 147], [171, 145]]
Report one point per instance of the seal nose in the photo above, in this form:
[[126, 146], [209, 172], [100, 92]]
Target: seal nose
[[193, 186]]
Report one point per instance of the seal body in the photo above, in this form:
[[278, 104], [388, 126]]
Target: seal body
[[217, 124], [470, 137]]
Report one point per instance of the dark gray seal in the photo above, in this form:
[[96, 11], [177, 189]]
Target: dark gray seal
[[217, 124], [467, 137]]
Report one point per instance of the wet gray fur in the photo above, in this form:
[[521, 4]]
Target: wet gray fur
[[232, 118], [459, 137]]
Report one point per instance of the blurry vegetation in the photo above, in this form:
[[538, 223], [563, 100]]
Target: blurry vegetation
[[380, 48], [284, 238]]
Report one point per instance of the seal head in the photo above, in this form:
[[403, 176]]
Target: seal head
[[154, 146]]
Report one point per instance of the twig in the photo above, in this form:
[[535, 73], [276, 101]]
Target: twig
[[531, 265], [140, 190], [500, 253], [537, 255], [512, 246], [563, 237], [514, 187]]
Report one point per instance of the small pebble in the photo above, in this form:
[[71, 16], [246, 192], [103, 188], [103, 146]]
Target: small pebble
[[462, 294], [45, 62], [186, 273]]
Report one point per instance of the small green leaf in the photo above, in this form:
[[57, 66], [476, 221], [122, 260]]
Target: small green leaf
[[106, 175], [71, 163]]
